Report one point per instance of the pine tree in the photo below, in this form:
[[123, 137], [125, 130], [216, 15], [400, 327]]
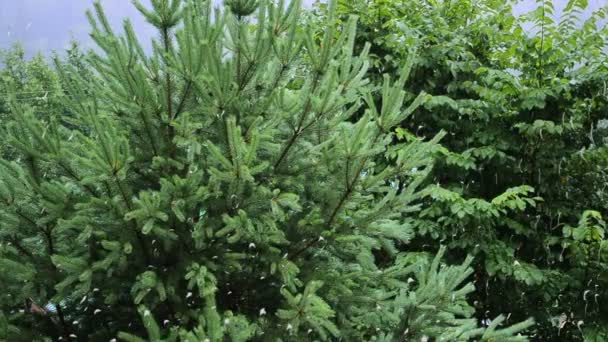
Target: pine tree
[[230, 185], [31, 81]]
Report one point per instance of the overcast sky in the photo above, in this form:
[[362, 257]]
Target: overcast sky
[[45, 25]]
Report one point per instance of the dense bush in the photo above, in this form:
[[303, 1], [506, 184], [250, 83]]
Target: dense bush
[[521, 182]]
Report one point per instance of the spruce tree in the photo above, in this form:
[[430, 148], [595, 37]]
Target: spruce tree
[[232, 184]]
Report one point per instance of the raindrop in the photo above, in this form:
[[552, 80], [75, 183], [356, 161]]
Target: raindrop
[[50, 307]]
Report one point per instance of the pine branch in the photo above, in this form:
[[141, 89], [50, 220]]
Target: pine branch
[[332, 217], [347, 192], [20, 248], [268, 92], [78, 180], [31, 161], [25, 217], [238, 50], [148, 133], [141, 114], [51, 251], [165, 37], [139, 237], [298, 129], [310, 244], [182, 102]]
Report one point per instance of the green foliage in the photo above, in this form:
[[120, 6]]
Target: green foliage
[[244, 180], [523, 102], [27, 81]]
